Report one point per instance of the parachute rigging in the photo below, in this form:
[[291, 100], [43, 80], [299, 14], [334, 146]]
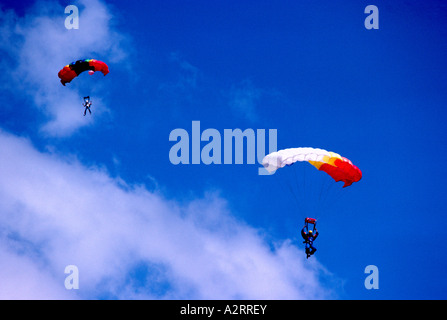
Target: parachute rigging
[[336, 167]]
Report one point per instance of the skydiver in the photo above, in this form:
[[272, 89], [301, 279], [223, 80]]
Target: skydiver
[[87, 104], [309, 237]]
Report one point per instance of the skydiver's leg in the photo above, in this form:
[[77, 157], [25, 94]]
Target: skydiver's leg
[[308, 254], [307, 248], [312, 249]]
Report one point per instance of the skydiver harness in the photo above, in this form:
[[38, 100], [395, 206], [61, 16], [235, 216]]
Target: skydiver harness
[[87, 104], [308, 240]]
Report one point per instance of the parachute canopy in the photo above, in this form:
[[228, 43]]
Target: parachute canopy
[[72, 70], [338, 167]]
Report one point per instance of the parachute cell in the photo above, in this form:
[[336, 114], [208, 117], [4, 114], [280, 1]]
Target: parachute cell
[[72, 70], [338, 167]]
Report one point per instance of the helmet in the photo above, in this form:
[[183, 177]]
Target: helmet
[[310, 231]]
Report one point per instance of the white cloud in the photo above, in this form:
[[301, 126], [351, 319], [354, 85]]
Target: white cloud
[[39, 45], [22, 278], [128, 242]]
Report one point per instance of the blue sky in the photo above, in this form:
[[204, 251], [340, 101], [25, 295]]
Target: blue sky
[[101, 193]]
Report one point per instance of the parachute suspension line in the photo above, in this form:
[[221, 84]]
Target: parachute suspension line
[[334, 193], [339, 194], [327, 193], [286, 183], [289, 187], [335, 166], [327, 189], [298, 191], [319, 203], [314, 187], [297, 201], [322, 195], [305, 191]]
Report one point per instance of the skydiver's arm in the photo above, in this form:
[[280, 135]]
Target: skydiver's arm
[[303, 233]]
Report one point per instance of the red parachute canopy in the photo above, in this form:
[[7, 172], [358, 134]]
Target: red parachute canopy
[[72, 70], [338, 167]]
